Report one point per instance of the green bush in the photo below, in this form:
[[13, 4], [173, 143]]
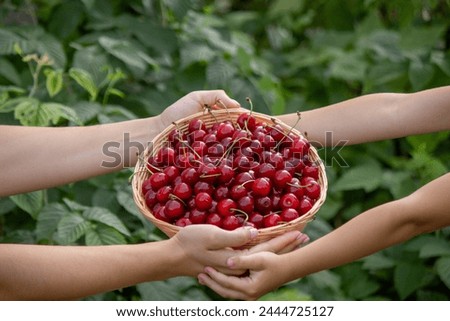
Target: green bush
[[79, 62]]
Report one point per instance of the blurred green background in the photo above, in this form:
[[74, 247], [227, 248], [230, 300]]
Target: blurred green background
[[83, 62]]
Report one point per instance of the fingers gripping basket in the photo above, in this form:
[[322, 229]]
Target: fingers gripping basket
[[142, 173]]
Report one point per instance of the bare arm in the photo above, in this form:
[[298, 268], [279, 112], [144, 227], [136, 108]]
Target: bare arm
[[426, 210], [376, 117], [34, 158]]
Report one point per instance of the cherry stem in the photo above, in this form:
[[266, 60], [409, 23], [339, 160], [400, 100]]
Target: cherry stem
[[174, 197], [240, 212], [208, 108], [299, 186], [231, 147], [218, 101]]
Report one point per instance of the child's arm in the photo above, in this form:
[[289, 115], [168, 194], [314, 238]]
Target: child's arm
[[43, 272], [41, 157], [425, 210], [376, 117]]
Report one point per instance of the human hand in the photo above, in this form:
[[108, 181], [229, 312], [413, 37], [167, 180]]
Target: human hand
[[267, 271], [195, 102], [207, 245]]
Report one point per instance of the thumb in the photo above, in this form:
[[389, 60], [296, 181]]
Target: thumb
[[235, 238]]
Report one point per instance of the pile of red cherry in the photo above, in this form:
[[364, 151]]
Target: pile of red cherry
[[232, 174]]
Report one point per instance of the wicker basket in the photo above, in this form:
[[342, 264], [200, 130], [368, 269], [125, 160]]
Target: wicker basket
[[141, 174]]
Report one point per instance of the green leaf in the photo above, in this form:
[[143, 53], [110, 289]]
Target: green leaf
[[127, 52], [103, 235], [348, 66], [104, 216], [9, 72], [366, 176], [420, 74], [435, 247], [286, 294], [31, 203], [64, 112], [71, 228], [85, 80], [408, 277], [169, 290], [126, 201], [54, 81], [192, 53], [86, 110], [443, 270], [378, 261], [48, 220], [9, 41]]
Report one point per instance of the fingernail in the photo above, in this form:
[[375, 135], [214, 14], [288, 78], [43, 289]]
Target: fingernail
[[303, 238], [230, 262], [253, 232], [200, 279]]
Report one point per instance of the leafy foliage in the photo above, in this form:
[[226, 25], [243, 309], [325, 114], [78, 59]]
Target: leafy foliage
[[79, 62]]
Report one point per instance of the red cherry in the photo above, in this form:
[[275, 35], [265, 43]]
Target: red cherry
[[166, 156], [226, 174], [311, 171], [277, 133], [221, 192], [312, 190], [201, 186], [146, 186], [225, 130], [173, 209], [196, 124], [295, 187], [172, 172], [182, 222], [271, 219], [231, 223], [263, 204], [289, 200], [261, 187], [200, 148], [150, 199], [203, 201], [265, 170], [214, 219], [246, 204], [226, 207], [163, 194], [238, 191], [190, 176], [182, 191], [158, 180], [209, 173], [299, 148], [281, 178], [289, 214], [246, 179], [246, 121], [185, 160], [159, 213], [305, 206], [197, 217], [257, 220]]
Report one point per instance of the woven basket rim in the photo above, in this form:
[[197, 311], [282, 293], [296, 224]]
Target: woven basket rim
[[141, 173]]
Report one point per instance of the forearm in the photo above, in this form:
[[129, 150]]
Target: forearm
[[425, 210], [36, 157], [376, 117], [30, 272]]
